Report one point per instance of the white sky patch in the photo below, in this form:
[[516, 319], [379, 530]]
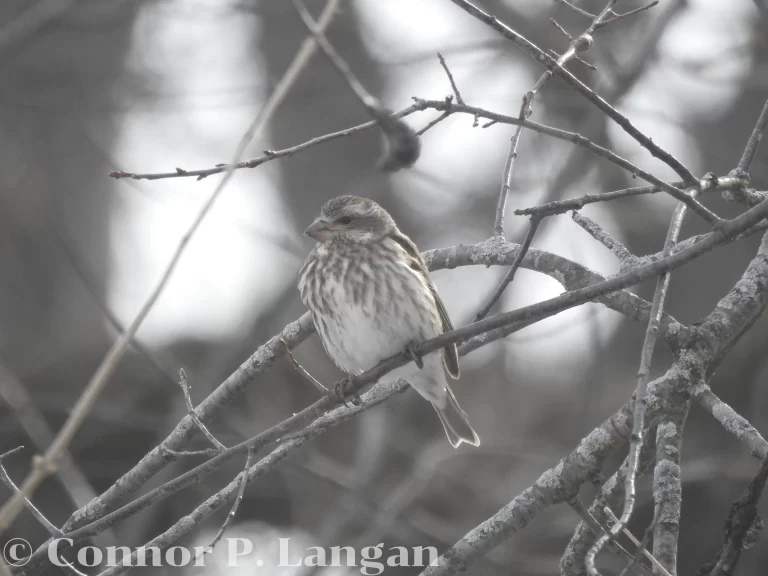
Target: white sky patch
[[231, 264], [400, 29]]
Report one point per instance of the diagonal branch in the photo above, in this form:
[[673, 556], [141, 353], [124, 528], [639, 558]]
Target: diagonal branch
[[731, 420], [753, 143], [601, 235], [510, 275]]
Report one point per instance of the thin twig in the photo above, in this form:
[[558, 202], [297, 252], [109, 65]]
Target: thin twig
[[404, 145], [636, 542], [640, 395], [39, 516], [432, 123], [300, 369], [506, 178], [184, 384], [11, 452], [753, 143], [268, 156], [563, 206], [560, 29], [598, 233], [455, 88], [510, 275], [630, 13], [46, 464], [576, 9], [233, 512]]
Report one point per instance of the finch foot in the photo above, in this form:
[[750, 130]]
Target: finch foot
[[411, 354], [344, 396]]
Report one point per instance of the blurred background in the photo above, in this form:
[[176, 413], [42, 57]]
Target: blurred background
[[146, 86]]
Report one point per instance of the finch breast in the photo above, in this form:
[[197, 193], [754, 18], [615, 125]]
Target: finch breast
[[366, 302]]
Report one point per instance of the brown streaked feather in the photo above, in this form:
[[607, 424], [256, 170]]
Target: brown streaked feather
[[416, 262]]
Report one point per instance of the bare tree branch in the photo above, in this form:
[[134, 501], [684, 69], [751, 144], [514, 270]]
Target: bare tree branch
[[667, 486], [731, 420], [598, 233], [753, 143], [540, 56], [510, 275], [243, 478], [741, 527], [184, 385]]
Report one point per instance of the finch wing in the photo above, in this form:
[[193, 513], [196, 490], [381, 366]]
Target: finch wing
[[416, 263]]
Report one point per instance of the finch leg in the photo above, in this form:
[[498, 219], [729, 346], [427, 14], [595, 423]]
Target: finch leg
[[343, 395], [410, 353]]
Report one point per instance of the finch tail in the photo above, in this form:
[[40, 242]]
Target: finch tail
[[455, 422]]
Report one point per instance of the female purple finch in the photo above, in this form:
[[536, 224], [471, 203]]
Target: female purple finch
[[371, 297]]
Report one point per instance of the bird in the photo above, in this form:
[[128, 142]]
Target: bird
[[370, 296]]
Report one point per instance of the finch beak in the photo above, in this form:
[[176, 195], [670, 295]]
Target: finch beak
[[316, 229]]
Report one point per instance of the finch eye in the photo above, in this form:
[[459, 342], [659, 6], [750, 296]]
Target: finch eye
[[345, 220]]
